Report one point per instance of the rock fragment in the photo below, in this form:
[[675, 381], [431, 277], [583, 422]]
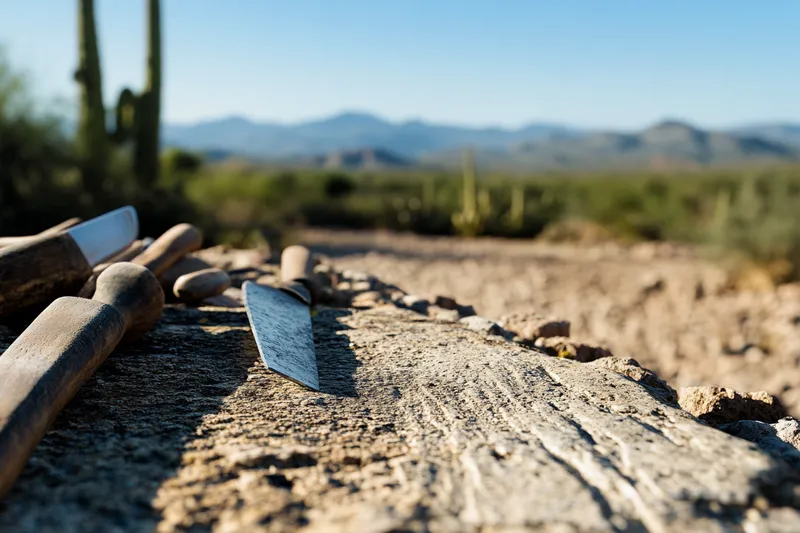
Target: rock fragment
[[646, 377], [781, 440], [531, 326], [480, 324], [570, 349], [722, 405]]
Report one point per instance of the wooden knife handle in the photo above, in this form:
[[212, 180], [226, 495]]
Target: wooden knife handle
[[175, 243], [194, 287], [44, 368], [186, 265], [297, 264], [297, 274], [41, 270]]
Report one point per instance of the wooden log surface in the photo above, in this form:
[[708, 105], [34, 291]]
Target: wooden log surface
[[420, 426]]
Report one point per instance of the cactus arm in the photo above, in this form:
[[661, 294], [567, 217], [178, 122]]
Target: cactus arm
[[92, 142]]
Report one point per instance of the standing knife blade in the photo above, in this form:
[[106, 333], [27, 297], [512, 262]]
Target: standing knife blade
[[41, 270], [281, 319]]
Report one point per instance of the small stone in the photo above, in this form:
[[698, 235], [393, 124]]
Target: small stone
[[361, 286], [788, 430], [368, 299], [355, 275], [754, 354], [442, 314], [344, 286], [481, 325], [532, 326], [445, 302], [721, 405], [570, 349], [415, 303], [768, 437]]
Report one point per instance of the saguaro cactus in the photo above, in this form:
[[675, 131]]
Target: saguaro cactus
[[92, 138], [137, 116], [469, 221]]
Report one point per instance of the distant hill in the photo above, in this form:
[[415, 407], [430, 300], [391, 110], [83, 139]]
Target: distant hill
[[670, 144], [359, 159], [347, 131], [361, 140]]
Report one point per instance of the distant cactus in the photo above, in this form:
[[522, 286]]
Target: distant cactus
[[468, 221], [516, 214], [137, 116]]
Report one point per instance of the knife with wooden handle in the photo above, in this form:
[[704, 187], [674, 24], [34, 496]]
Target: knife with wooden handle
[[44, 368], [280, 318], [36, 272], [58, 228]]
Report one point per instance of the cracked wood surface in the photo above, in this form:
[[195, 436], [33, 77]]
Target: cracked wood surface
[[419, 426]]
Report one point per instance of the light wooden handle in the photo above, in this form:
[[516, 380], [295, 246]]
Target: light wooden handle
[[186, 265], [297, 266], [169, 248], [37, 272], [196, 286], [44, 368]]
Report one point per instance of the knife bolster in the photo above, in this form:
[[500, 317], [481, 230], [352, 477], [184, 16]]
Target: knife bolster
[[44, 368], [35, 272]]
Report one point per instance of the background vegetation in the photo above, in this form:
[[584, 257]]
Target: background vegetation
[[753, 212]]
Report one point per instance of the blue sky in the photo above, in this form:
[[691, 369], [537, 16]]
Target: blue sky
[[603, 63]]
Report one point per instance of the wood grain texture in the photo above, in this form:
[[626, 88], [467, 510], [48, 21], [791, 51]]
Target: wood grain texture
[[37, 272], [58, 228], [174, 244], [195, 286], [46, 365]]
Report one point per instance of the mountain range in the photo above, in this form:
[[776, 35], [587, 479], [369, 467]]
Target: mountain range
[[362, 140]]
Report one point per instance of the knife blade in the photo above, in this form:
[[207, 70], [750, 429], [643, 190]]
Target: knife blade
[[280, 319], [52, 265], [46, 365]]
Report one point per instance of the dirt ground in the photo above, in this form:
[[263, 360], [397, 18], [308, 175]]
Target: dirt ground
[[660, 304]]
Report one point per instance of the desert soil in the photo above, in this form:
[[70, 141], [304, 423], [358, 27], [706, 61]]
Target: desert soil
[[662, 304]]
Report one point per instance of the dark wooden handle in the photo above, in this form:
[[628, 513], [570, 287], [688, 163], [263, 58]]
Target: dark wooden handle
[[37, 272], [165, 251], [58, 228], [44, 368], [196, 286]]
